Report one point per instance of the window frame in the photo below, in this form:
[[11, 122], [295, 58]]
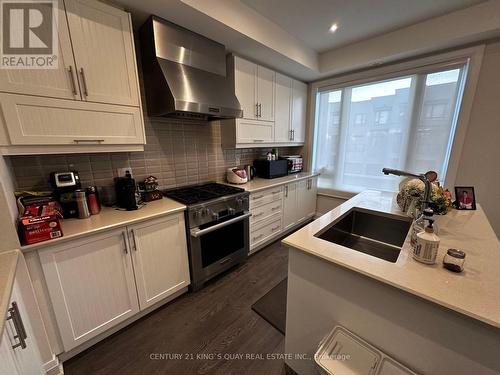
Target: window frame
[[457, 58]]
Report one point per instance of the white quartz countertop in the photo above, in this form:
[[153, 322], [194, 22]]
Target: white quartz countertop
[[110, 218], [474, 292], [8, 265], [265, 183]]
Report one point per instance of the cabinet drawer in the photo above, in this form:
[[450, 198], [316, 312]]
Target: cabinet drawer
[[266, 196], [265, 230], [263, 212]]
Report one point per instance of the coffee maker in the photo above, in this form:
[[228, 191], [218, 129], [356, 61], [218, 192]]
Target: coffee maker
[[126, 192], [64, 185]]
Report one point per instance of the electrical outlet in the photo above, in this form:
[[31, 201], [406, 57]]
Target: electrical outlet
[[122, 172]]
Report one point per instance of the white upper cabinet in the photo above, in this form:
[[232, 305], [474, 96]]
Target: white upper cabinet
[[56, 83], [282, 129], [160, 258], [91, 103], [32, 120], [265, 93], [299, 104], [245, 87], [104, 52], [274, 107]]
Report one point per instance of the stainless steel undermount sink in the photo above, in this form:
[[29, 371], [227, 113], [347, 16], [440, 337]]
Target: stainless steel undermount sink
[[371, 232]]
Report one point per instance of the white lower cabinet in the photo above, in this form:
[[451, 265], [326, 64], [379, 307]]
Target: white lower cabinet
[[278, 210], [299, 202], [92, 281], [19, 353], [91, 285], [160, 258]]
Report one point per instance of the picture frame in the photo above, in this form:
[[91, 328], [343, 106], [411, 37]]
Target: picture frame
[[465, 198]]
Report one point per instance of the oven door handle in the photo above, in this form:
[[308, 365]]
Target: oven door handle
[[196, 232]]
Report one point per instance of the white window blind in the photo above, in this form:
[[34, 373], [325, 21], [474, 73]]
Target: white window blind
[[404, 122]]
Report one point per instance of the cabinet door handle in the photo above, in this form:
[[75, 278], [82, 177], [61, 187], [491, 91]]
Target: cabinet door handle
[[286, 191], [260, 109], [84, 83], [72, 80], [18, 326], [256, 109], [125, 240], [133, 237], [291, 138], [293, 135]]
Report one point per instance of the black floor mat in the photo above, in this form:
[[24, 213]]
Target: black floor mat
[[272, 306]]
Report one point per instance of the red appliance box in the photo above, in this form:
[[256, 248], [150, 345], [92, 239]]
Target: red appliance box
[[33, 229], [40, 223]]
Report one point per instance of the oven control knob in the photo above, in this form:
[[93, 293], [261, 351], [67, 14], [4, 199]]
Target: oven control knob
[[205, 211], [239, 201], [197, 214], [215, 216], [231, 211]]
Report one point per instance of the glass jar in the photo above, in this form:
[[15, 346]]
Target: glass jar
[[454, 260]]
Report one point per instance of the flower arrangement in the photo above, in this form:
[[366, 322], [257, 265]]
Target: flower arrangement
[[411, 194]]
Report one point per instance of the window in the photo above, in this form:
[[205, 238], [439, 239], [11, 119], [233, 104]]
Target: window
[[406, 122], [382, 117], [360, 119]]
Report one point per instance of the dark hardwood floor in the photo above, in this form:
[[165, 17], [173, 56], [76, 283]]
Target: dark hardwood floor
[[213, 323]]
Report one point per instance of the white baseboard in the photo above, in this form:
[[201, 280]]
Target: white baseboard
[[53, 367]]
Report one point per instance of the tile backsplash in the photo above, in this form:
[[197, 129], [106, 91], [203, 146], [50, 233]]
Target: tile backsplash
[[178, 152]]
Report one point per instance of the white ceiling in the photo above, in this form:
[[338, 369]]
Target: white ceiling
[[291, 36], [310, 20]]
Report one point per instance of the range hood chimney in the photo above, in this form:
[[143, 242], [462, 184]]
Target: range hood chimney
[[185, 73]]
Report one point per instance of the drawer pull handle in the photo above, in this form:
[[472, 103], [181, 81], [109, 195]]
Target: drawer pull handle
[[257, 197], [258, 140], [275, 228], [258, 237], [258, 215], [275, 208], [277, 192], [88, 140]]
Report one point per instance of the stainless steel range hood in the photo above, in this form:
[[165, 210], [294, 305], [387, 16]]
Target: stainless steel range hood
[[185, 73]]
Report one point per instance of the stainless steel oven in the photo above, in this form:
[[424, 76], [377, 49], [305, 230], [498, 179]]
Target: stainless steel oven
[[217, 223], [217, 246]]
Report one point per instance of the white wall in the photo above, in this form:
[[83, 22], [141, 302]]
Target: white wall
[[480, 160]]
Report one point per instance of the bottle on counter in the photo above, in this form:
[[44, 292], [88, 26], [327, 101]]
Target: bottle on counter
[[81, 202], [93, 200], [427, 245], [419, 225]]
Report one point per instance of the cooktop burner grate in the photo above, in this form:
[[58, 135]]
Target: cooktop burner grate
[[201, 193]]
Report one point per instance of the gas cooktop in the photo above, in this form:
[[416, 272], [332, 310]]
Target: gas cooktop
[[201, 193]]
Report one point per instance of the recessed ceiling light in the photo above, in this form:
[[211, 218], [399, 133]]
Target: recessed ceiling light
[[334, 28]]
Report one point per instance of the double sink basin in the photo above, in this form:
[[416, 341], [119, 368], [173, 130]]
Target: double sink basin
[[374, 233]]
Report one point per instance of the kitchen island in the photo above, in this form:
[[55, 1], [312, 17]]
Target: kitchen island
[[430, 319]]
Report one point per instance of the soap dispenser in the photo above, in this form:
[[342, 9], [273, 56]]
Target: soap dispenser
[[427, 245]]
